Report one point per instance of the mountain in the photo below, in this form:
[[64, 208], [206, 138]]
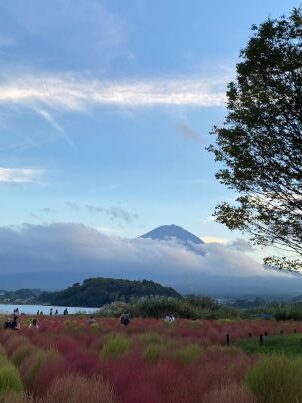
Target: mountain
[[175, 233]]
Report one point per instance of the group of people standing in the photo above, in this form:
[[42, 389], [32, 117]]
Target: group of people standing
[[14, 323], [51, 313]]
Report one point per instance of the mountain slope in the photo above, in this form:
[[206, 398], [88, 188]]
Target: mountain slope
[[176, 233]]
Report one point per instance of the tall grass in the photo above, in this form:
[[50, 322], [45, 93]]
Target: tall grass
[[276, 379]]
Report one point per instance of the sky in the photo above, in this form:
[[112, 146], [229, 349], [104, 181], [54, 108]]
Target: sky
[[106, 109]]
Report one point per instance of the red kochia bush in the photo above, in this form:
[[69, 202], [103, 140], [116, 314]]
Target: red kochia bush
[[66, 345], [12, 344], [47, 374], [84, 363], [77, 389]]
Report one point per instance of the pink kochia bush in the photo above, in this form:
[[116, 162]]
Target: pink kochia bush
[[187, 361], [77, 389]]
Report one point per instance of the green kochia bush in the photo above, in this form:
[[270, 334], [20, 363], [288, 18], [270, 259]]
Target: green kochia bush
[[10, 379], [21, 353], [189, 353], [152, 338], [115, 346], [276, 379], [153, 352], [32, 365]]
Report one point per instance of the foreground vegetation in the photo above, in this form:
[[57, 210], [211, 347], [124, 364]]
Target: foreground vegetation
[[68, 359]]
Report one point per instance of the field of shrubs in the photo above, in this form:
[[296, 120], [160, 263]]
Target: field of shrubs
[[151, 361]]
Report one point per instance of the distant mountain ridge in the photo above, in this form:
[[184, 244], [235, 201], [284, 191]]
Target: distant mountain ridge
[[177, 233]]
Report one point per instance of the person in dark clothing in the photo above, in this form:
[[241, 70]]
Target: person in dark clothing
[[15, 325], [125, 319]]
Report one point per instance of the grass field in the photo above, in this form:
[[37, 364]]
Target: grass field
[[289, 345]]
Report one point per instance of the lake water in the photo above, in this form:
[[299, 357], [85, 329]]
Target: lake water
[[32, 309]]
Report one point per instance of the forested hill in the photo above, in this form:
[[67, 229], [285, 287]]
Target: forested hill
[[95, 292]]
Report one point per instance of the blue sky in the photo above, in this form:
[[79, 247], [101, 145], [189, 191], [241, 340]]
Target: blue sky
[[106, 108]]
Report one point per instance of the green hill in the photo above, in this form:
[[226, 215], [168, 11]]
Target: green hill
[[95, 292]]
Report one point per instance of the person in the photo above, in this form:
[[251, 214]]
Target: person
[[8, 323], [125, 319], [169, 318], [38, 313], [56, 313], [41, 313], [16, 311], [50, 312], [34, 324], [65, 311], [15, 324], [91, 320]]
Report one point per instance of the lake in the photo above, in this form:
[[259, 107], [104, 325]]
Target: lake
[[32, 309]]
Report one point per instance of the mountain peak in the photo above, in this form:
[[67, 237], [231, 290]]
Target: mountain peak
[[174, 232]]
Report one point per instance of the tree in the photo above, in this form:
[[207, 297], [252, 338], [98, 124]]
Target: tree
[[260, 142]]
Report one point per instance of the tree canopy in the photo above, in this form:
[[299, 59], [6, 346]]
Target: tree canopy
[[260, 141], [95, 292]]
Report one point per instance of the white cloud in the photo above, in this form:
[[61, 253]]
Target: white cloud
[[71, 92], [68, 247], [213, 239], [20, 175]]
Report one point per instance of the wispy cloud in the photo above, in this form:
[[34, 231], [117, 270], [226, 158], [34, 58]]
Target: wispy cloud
[[188, 133], [113, 212], [47, 210], [71, 92], [52, 121], [73, 206], [20, 175]]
